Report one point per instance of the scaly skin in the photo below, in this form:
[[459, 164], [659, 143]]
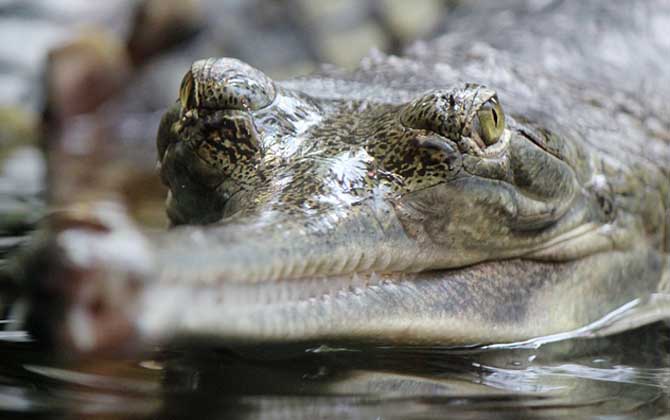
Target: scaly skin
[[487, 197]]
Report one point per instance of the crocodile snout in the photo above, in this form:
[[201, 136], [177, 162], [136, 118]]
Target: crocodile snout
[[209, 144]]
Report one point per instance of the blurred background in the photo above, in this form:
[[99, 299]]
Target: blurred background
[[83, 84]]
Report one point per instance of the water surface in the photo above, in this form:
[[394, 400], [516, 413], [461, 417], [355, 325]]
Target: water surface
[[622, 376]]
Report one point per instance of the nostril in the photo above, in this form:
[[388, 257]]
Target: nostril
[[187, 92], [226, 83]]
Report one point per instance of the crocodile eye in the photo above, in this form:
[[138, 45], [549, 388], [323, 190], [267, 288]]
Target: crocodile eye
[[490, 121]]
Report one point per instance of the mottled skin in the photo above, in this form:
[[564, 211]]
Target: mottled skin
[[331, 152], [464, 194]]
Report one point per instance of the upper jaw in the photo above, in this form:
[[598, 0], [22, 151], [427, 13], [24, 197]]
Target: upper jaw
[[202, 282]]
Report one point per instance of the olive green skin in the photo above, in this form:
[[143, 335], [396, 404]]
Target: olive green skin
[[374, 205]]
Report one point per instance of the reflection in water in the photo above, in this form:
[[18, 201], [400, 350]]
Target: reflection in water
[[622, 376]]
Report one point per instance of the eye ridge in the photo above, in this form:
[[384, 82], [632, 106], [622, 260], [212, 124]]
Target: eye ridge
[[471, 115]]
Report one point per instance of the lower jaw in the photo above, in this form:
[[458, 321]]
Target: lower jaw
[[489, 302], [493, 302]]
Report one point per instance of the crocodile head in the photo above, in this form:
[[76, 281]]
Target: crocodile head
[[425, 216], [335, 186]]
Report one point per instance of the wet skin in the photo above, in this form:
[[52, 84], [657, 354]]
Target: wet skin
[[371, 206], [441, 181], [413, 201]]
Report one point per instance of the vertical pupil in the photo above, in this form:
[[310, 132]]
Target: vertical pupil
[[495, 116]]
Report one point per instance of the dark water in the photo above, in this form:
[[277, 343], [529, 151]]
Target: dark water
[[621, 376]]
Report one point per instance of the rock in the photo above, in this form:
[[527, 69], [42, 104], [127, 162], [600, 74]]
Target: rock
[[346, 48], [30, 28], [409, 20], [22, 170], [161, 24], [22, 59], [84, 73], [18, 127]]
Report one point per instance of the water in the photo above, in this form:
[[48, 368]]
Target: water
[[622, 376]]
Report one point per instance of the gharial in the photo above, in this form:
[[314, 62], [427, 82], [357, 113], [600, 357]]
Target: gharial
[[508, 180]]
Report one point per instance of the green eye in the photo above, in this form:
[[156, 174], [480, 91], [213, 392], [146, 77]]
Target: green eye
[[490, 122]]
